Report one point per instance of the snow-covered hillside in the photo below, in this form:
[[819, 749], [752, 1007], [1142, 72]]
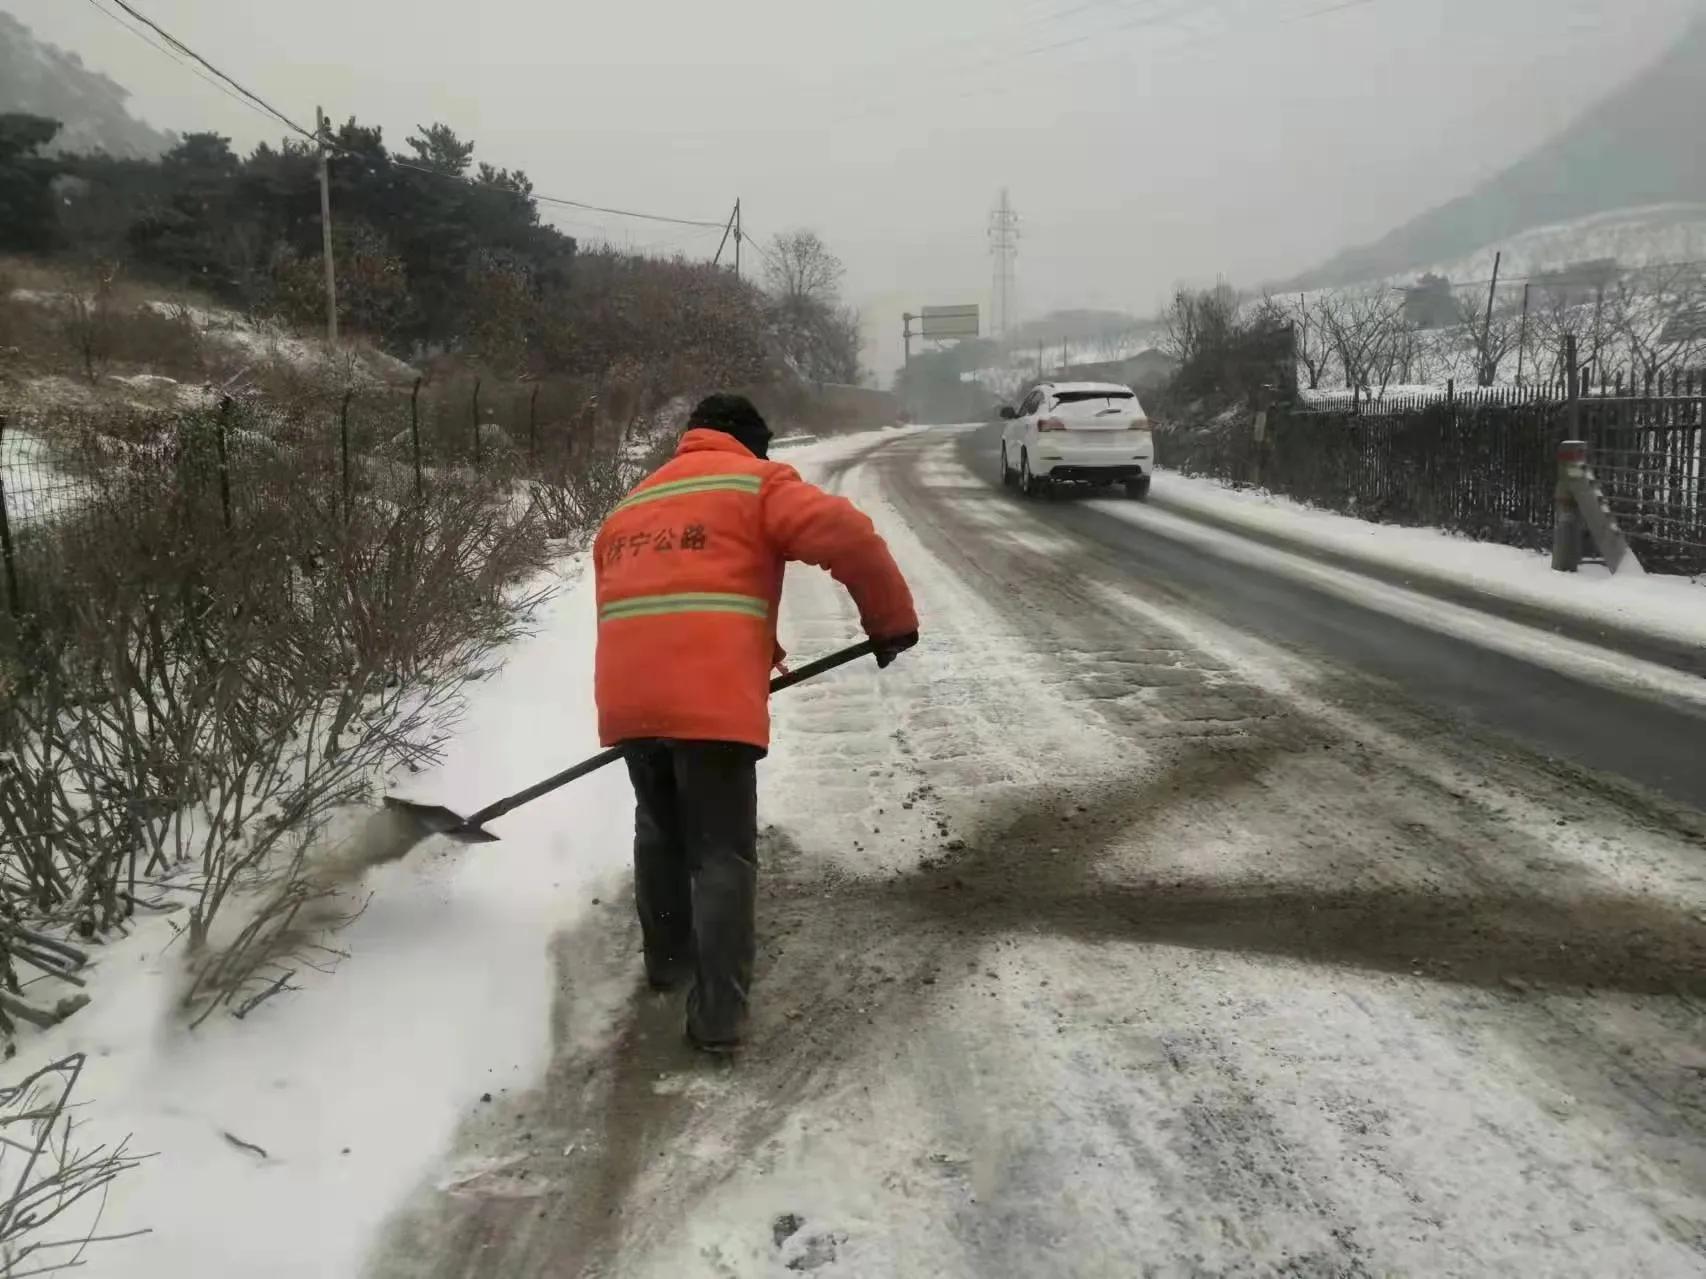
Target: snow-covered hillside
[[1633, 238]]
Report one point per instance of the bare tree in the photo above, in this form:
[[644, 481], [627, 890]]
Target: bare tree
[[1489, 336], [1358, 327], [1309, 336], [1658, 317], [1554, 314], [801, 270], [1405, 355], [1199, 321], [819, 336]]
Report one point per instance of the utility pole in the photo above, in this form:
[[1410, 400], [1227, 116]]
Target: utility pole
[[323, 131], [738, 238], [1004, 247], [906, 320], [1487, 369], [1522, 334], [727, 229]]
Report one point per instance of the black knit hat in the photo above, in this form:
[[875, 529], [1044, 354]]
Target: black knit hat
[[734, 415]]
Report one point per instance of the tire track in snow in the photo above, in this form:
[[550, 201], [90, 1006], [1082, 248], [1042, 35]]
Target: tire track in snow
[[1163, 970]]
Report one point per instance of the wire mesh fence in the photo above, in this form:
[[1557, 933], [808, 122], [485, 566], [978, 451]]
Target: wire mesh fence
[[71, 479]]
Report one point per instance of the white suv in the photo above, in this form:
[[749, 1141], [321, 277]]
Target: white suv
[[1077, 432]]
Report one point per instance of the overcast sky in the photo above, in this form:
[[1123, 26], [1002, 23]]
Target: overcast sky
[[1146, 142]]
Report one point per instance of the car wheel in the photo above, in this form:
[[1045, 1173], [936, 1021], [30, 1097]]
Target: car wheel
[[1029, 484], [1006, 471], [1138, 489]]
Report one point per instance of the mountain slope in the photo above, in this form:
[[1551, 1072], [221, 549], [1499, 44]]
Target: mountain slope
[[1638, 147], [42, 79]]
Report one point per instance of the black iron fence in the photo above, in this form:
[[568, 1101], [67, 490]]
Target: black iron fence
[[1481, 463], [1647, 447]]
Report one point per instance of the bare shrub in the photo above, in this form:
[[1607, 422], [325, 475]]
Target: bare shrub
[[627, 432], [1224, 354], [689, 323], [159, 339], [86, 320], [574, 495], [227, 650], [45, 1174]]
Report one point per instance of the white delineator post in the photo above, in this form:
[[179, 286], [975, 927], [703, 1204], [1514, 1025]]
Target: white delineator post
[[1580, 503], [1566, 519]]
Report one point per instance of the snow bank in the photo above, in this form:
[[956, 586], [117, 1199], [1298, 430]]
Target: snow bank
[[35, 487], [355, 1085], [1671, 607]]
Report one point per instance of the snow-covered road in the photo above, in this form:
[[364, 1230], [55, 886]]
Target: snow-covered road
[[1104, 935]]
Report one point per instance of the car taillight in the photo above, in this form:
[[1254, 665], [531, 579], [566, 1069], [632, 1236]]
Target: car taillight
[[1051, 424]]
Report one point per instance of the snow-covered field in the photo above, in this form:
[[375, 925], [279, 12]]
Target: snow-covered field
[[35, 487]]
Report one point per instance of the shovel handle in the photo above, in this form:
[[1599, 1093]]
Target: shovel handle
[[813, 669], [810, 671]]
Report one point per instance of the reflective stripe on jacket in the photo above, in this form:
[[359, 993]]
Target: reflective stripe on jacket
[[689, 572]]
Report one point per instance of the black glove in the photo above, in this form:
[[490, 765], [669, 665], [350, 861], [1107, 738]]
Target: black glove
[[891, 647]]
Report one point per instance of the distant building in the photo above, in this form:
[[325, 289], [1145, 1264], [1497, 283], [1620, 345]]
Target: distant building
[[1430, 303], [1576, 284]]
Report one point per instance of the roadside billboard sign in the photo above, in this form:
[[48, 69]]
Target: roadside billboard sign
[[949, 322]]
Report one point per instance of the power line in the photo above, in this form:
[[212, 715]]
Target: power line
[[995, 59], [165, 50], [183, 48], [253, 98], [1152, 17], [544, 199], [748, 238]]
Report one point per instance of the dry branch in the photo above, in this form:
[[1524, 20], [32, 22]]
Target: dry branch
[[54, 1176]]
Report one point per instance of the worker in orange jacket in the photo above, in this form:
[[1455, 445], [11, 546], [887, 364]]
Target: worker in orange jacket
[[689, 571]]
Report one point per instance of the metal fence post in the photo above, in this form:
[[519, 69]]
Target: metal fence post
[[478, 458], [533, 424], [415, 433], [1572, 452], [13, 602], [224, 463], [343, 433]]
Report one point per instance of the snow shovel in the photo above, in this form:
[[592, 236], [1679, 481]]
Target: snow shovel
[[412, 822]]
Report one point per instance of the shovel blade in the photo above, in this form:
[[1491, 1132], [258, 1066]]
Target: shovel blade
[[434, 819]]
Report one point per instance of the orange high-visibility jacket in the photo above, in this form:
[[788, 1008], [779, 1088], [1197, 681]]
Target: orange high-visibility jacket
[[689, 572]]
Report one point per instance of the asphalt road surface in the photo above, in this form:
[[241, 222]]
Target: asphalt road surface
[[1651, 740], [1171, 910]]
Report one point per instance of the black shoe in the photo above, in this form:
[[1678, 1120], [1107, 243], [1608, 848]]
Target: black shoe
[[665, 977], [717, 1046]]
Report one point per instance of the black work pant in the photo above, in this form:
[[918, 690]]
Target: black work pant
[[696, 873]]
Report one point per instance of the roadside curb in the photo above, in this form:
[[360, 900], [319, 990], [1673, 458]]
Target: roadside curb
[[1663, 650]]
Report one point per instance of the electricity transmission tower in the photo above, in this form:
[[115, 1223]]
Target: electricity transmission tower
[[1004, 247]]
